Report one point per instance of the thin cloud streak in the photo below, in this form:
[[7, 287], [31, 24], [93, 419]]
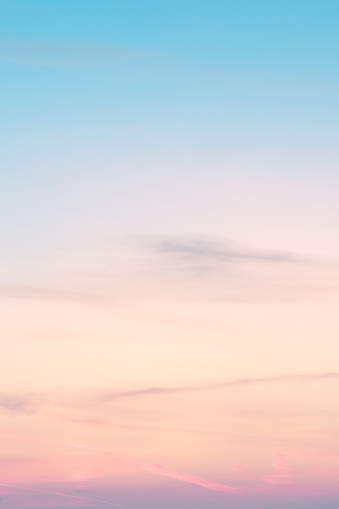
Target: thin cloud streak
[[28, 403], [60, 494], [199, 260], [201, 248], [208, 268], [241, 382], [44, 293], [204, 483]]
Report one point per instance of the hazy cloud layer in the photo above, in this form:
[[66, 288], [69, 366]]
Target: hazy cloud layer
[[185, 268]]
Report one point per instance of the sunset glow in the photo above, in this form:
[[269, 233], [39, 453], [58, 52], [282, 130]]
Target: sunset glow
[[169, 283]]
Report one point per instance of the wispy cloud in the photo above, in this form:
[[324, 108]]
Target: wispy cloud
[[281, 473], [27, 403], [63, 54], [77, 497], [202, 248], [231, 384], [42, 293], [193, 479], [214, 268], [20, 403], [133, 466], [189, 268]]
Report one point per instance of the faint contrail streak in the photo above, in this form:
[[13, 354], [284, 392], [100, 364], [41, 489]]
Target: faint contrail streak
[[5, 433], [61, 494]]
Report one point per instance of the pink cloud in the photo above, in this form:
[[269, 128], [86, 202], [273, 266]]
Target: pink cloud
[[210, 485], [281, 474]]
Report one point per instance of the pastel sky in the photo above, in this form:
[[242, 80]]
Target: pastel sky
[[169, 277]]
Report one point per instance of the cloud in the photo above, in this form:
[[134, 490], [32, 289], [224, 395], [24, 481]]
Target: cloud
[[132, 466], [189, 268], [281, 473], [28, 403], [202, 248], [15, 403], [240, 382], [214, 269], [77, 497], [204, 483], [43, 293], [97, 422], [63, 54]]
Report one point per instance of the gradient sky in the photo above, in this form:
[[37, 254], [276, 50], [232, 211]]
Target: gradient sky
[[169, 283]]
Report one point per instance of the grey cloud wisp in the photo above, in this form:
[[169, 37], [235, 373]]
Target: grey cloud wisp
[[20, 403], [241, 382], [28, 403], [201, 248]]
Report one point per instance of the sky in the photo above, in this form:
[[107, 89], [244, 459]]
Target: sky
[[169, 278]]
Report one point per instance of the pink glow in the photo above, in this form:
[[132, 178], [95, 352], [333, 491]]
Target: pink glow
[[131, 465], [281, 474]]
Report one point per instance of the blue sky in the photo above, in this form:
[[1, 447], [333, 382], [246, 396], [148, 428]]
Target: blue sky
[[156, 100], [166, 97], [263, 65], [221, 73]]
